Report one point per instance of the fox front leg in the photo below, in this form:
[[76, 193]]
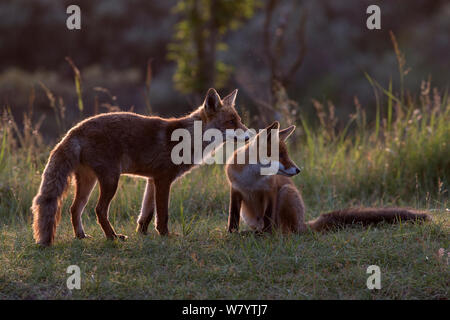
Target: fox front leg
[[269, 217], [235, 210], [147, 209]]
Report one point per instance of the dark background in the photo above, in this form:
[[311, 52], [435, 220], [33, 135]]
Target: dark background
[[118, 37]]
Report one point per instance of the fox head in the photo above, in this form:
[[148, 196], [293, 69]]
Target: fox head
[[221, 114], [263, 156], [284, 165]]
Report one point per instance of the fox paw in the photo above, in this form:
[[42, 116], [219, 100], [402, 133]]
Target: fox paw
[[83, 236], [163, 232], [141, 228], [121, 237]]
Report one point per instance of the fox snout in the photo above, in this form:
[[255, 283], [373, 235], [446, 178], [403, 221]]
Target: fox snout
[[290, 171]]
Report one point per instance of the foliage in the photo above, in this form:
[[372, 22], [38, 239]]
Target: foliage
[[199, 35]]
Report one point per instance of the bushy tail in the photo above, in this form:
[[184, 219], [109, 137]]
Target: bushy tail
[[365, 216], [46, 205]]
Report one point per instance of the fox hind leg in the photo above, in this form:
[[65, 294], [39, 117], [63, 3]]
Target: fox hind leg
[[108, 187], [147, 209], [291, 210], [85, 182]]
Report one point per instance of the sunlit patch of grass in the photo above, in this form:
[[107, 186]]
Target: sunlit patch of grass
[[209, 263]]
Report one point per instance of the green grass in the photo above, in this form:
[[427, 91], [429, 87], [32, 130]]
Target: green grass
[[403, 159], [208, 263], [202, 261]]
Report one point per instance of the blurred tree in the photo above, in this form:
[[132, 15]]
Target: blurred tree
[[284, 47], [197, 39], [275, 48]]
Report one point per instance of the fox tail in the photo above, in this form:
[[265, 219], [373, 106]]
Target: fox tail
[[46, 205], [365, 216]]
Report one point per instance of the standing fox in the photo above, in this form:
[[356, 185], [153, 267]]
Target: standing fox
[[105, 146], [272, 201]]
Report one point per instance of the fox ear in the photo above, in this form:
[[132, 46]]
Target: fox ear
[[230, 99], [274, 126], [285, 133], [212, 101]]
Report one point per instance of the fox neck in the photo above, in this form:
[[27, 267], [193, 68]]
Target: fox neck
[[248, 178], [200, 115], [189, 122]]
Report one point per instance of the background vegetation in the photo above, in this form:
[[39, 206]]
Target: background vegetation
[[371, 131], [119, 37]]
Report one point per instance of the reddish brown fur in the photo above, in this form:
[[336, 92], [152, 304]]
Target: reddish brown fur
[[103, 147], [268, 202], [366, 216]]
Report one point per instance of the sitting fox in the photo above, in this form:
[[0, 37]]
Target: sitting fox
[[103, 147], [266, 202]]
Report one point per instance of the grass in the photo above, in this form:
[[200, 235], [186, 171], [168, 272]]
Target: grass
[[210, 264], [202, 261], [402, 159]]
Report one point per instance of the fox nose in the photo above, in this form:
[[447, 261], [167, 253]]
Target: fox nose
[[297, 170]]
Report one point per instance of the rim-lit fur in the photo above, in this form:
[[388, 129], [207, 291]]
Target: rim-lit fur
[[101, 148], [46, 206], [268, 202]]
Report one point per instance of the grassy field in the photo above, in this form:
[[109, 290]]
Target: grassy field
[[401, 159]]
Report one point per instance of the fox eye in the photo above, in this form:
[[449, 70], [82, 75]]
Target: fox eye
[[231, 122]]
